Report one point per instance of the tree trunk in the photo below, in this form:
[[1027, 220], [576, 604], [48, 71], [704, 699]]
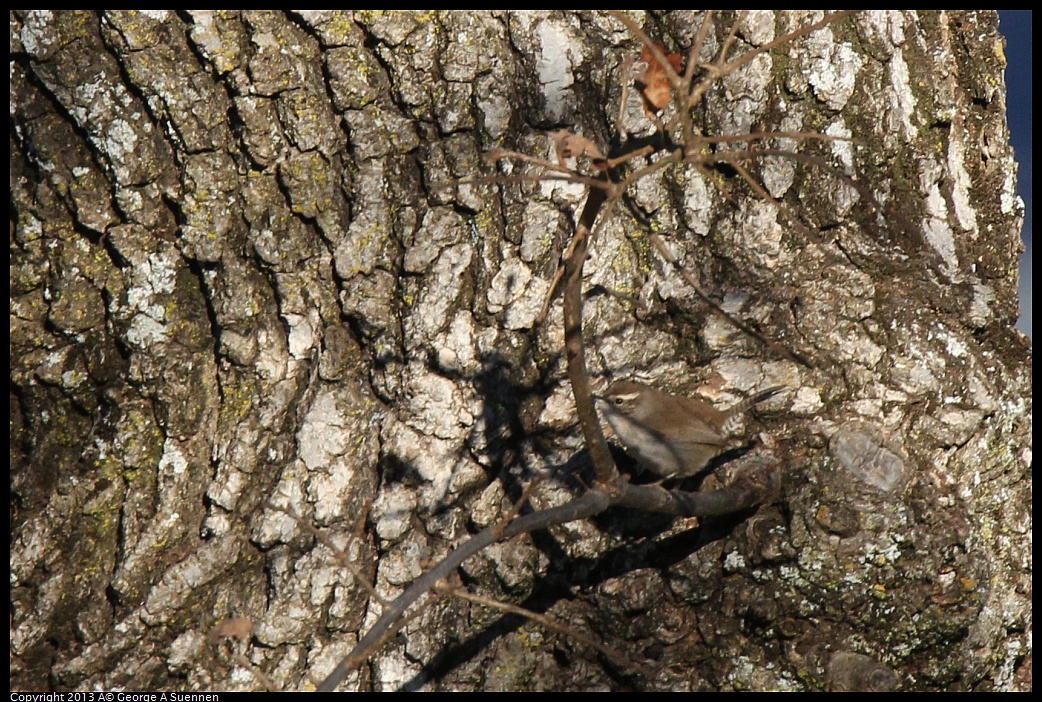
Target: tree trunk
[[271, 358]]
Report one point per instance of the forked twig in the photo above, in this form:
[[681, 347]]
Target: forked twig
[[551, 293], [716, 70]]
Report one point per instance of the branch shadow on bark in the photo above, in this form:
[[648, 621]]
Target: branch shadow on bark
[[608, 489]]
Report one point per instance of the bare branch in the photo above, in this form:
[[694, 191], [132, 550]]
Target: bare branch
[[591, 503], [575, 352]]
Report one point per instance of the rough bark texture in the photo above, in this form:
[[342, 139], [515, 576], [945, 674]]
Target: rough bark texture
[[244, 271]]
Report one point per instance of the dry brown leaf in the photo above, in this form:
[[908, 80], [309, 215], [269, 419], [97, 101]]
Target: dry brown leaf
[[232, 628], [569, 144], [653, 83]]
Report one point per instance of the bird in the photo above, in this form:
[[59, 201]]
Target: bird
[[669, 435]]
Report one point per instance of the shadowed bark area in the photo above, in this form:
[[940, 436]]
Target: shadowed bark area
[[272, 355]]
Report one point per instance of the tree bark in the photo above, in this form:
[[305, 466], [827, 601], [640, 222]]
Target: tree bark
[[272, 354]]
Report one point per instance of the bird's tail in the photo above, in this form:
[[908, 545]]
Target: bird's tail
[[740, 408]]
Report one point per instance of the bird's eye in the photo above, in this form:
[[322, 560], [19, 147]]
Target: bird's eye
[[618, 400]]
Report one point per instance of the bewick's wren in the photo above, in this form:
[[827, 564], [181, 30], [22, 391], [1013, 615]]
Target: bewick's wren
[[674, 437]]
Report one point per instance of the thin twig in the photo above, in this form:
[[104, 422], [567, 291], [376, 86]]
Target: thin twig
[[261, 676], [627, 78], [562, 172], [551, 293], [775, 346], [516, 508], [672, 158], [359, 655], [629, 156], [732, 34], [756, 136], [554, 625], [717, 71], [338, 553], [696, 47]]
